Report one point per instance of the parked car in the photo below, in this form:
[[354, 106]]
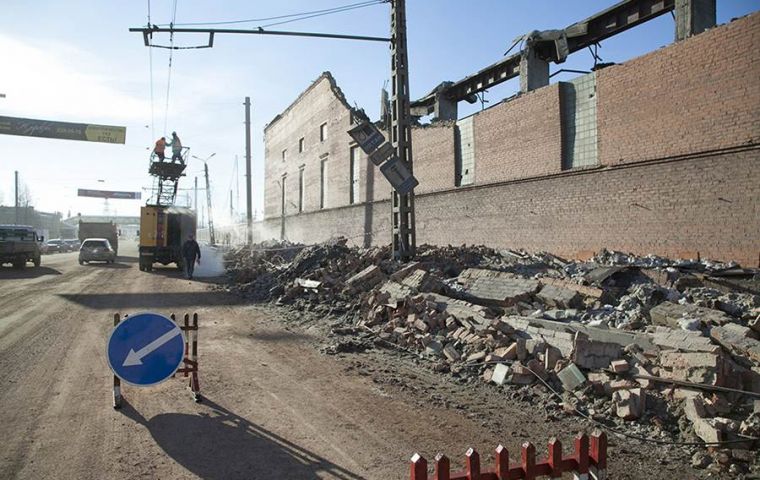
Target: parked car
[[55, 245], [96, 250], [72, 244]]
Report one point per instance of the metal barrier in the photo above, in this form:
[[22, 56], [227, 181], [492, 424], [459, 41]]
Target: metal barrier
[[588, 461]]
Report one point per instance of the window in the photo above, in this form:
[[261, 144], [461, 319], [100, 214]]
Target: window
[[354, 175], [323, 132], [322, 183], [300, 145], [284, 154], [300, 189]]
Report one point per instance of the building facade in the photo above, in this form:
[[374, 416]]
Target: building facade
[[656, 155]]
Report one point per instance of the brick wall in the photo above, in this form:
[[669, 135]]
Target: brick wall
[[519, 138], [696, 95], [674, 208]]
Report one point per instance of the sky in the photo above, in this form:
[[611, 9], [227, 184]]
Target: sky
[[76, 61]]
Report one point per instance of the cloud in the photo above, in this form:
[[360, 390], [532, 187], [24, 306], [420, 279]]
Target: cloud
[[61, 83]]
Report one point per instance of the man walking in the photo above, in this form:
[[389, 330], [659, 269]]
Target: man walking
[[191, 253]]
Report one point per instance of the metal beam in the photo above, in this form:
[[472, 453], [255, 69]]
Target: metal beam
[[148, 31], [616, 19]]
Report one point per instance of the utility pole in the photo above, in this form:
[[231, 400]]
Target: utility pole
[[208, 206], [232, 211], [248, 192], [404, 241], [16, 208], [195, 203]]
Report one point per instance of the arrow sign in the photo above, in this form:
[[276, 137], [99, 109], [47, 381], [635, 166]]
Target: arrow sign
[[145, 349], [135, 358]]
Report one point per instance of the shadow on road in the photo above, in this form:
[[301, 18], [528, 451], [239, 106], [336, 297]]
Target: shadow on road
[[219, 444], [29, 272], [173, 272], [123, 259], [152, 300], [107, 265]]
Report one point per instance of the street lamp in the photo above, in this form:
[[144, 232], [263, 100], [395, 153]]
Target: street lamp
[[208, 198]]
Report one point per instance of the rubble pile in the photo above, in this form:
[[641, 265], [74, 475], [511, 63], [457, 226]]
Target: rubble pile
[[665, 348]]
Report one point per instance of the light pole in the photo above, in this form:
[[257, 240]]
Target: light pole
[[208, 198]]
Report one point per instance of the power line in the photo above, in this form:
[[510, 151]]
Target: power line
[[376, 2], [279, 17], [152, 102], [171, 56]]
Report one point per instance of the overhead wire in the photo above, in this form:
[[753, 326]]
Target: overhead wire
[[279, 17], [169, 76], [152, 102], [346, 9]]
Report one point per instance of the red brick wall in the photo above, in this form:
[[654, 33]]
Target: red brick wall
[[707, 205], [696, 95], [519, 138]]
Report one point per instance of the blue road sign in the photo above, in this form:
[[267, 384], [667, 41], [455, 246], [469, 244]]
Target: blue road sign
[[145, 349]]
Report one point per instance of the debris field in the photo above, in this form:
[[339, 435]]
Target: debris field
[[658, 349]]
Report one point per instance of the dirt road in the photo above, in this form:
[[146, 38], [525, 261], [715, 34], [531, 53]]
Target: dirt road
[[274, 406]]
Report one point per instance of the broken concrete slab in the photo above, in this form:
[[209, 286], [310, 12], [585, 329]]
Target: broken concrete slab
[[584, 290], [738, 340], [366, 279], [558, 297], [697, 367], [558, 315], [684, 340], [451, 353], [669, 314], [619, 366], [480, 315], [703, 428], [592, 355], [488, 287]]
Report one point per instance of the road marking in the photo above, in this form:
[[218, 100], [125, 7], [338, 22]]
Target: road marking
[[135, 358]]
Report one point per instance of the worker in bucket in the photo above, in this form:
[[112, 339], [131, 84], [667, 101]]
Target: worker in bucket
[[159, 148], [176, 145], [191, 253]]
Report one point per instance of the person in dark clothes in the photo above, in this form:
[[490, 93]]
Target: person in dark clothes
[[191, 253]]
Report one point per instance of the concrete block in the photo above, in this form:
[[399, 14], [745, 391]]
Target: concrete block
[[684, 340], [571, 377], [593, 355], [558, 297], [669, 313], [619, 366], [476, 357], [507, 353], [366, 279], [738, 340], [488, 287], [629, 404], [500, 373], [698, 367], [451, 353]]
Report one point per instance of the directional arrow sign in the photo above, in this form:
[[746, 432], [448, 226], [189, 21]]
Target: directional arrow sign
[[145, 349]]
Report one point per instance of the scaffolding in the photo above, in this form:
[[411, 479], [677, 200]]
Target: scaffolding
[[166, 175]]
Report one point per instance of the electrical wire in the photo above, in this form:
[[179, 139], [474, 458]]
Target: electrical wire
[[169, 77], [376, 2], [152, 102], [278, 17]]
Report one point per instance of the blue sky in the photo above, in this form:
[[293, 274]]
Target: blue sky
[[75, 61]]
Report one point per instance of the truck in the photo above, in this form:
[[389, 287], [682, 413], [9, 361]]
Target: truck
[[163, 229], [19, 244], [106, 230]]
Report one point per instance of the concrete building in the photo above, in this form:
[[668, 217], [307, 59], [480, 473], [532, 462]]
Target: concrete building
[[656, 155]]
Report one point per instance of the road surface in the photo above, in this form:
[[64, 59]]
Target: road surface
[[274, 406]]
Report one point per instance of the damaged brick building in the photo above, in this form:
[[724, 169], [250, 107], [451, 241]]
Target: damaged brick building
[[656, 155]]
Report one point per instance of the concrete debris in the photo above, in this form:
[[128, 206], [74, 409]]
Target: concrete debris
[[510, 317]]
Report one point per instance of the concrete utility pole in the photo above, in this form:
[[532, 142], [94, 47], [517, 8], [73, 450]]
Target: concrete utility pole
[[404, 240], [248, 192], [195, 202], [208, 207], [16, 203]]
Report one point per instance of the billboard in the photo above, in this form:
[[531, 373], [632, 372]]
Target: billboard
[[28, 127], [109, 194]]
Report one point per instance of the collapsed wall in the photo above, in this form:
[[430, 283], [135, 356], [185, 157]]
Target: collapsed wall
[[657, 155]]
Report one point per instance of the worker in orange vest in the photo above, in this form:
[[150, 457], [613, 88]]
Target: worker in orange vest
[[159, 148]]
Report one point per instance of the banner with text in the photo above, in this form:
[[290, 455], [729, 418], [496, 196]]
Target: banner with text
[[29, 127]]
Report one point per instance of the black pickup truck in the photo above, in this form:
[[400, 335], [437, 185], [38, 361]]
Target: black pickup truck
[[19, 244]]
